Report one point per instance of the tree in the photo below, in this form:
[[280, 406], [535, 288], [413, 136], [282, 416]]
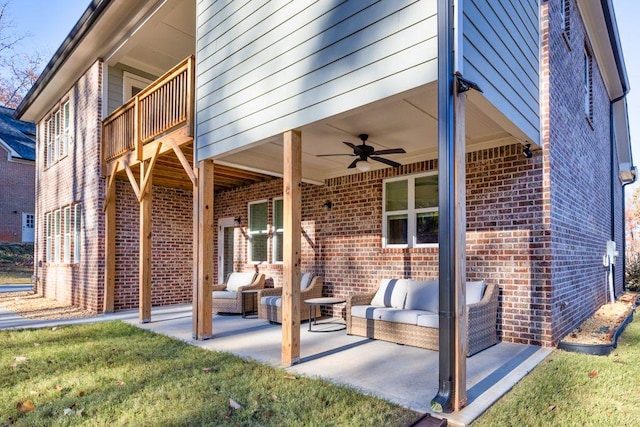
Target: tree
[[18, 70], [632, 240]]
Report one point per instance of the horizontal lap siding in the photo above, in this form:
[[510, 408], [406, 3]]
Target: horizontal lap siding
[[501, 54], [268, 66]]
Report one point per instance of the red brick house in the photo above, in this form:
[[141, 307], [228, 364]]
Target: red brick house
[[17, 178], [547, 152]]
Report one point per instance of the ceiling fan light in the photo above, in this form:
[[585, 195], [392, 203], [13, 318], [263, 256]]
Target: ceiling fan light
[[363, 165]]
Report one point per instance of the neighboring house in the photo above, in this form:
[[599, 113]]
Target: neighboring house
[[17, 178], [537, 225]]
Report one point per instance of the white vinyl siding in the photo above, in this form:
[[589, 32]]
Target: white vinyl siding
[[265, 66], [501, 55]]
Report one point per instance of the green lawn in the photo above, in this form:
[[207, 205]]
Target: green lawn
[[570, 389], [16, 263], [113, 374]]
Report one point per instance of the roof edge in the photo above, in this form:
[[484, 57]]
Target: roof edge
[[70, 43], [616, 46]]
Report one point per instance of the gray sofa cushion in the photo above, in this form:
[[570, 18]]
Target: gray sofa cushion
[[305, 280], [430, 320], [224, 294], [475, 290], [396, 315], [422, 295], [391, 293], [275, 301], [365, 311]]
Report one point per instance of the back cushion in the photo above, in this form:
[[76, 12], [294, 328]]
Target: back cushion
[[475, 290], [305, 280], [422, 295], [239, 279], [391, 293]]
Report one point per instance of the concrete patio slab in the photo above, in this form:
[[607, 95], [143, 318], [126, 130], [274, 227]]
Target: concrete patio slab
[[401, 374]]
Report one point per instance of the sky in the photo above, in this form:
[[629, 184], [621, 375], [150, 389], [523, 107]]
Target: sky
[[47, 27]]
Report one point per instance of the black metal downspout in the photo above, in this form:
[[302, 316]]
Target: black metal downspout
[[612, 139], [446, 253]]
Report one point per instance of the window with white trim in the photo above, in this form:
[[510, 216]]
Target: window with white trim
[[258, 231], [66, 221], [57, 134], [278, 230], [588, 83], [77, 234], [410, 211], [63, 230]]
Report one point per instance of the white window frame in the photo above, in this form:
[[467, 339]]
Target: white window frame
[[411, 212], [48, 237], [277, 231], [257, 233], [57, 131], [77, 235], [566, 18], [588, 83], [129, 81], [66, 232], [57, 235]]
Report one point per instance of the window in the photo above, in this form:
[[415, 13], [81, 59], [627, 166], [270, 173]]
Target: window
[[258, 231], [410, 211], [48, 235], [57, 134], [56, 236], [278, 234], [62, 230], [77, 235], [566, 19], [66, 220], [132, 85], [588, 83]]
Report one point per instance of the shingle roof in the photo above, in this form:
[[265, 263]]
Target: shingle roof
[[18, 135]]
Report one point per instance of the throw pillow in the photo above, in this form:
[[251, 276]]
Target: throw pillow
[[422, 295]]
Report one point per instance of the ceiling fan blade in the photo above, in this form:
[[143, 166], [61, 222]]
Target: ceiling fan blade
[[386, 161], [389, 151], [353, 146], [330, 155], [353, 164]]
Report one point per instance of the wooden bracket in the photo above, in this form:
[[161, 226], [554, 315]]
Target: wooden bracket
[[132, 179], [110, 183], [147, 172], [183, 161]]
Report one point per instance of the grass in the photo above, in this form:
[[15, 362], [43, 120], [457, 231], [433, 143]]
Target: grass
[[116, 374], [16, 263], [571, 389]]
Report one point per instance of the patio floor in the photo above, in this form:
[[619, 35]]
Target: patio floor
[[402, 374]]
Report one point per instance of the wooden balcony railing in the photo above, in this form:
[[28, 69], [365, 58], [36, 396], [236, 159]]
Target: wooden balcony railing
[[163, 106]]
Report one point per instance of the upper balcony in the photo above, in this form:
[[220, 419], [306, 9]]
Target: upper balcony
[[163, 110]]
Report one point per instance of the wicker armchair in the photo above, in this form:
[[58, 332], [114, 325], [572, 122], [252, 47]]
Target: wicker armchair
[[227, 297], [270, 301]]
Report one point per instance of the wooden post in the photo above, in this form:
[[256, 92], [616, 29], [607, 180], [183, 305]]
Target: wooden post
[[460, 227], [109, 244], [203, 251], [292, 216], [144, 273]]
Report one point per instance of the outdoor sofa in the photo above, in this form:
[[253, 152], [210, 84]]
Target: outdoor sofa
[[405, 311], [270, 300], [227, 297]]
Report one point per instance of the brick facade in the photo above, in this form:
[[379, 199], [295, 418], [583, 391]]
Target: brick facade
[[74, 178], [579, 162], [17, 195]]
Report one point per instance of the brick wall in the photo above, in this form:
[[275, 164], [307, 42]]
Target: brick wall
[[578, 152], [171, 246], [17, 195], [505, 238], [75, 178]]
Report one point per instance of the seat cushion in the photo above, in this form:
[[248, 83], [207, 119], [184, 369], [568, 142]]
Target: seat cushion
[[430, 320], [391, 293], [396, 315], [275, 301], [224, 295], [475, 290], [236, 280], [305, 280], [422, 296], [365, 311]]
